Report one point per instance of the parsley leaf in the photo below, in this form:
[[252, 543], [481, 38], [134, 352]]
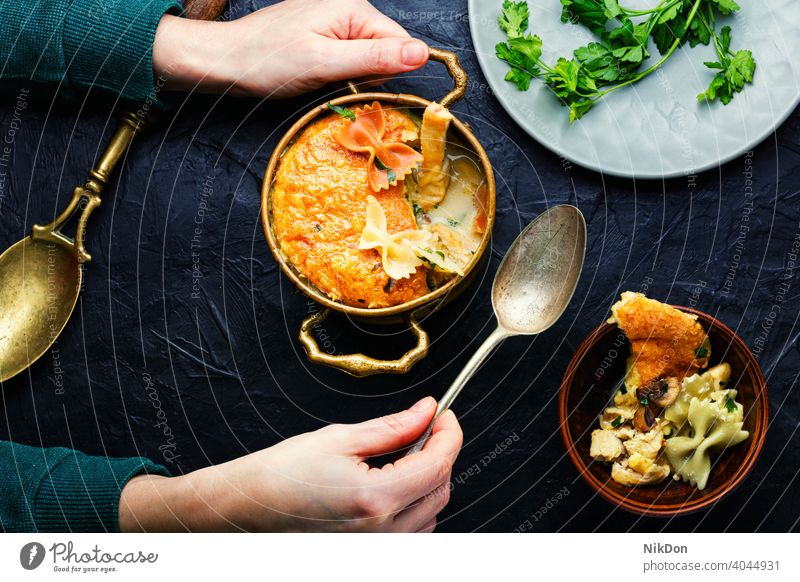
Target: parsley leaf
[[701, 352], [594, 14], [391, 173], [617, 421], [343, 111], [733, 74], [522, 54], [725, 6], [628, 42], [730, 405], [513, 20]]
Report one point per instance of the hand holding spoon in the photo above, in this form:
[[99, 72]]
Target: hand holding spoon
[[532, 288]]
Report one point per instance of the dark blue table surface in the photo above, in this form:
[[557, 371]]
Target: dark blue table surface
[[191, 370]]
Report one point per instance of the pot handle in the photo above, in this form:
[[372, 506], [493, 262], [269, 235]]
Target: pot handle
[[360, 365], [454, 68]]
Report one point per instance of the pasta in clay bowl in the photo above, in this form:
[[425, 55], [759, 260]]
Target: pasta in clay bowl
[[663, 409], [379, 206]]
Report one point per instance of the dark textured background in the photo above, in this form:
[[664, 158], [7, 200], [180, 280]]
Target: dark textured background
[[226, 367]]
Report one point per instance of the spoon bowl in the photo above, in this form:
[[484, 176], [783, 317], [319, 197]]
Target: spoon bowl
[[540, 272], [41, 281]]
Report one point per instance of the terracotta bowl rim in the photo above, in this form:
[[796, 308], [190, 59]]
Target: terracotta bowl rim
[[756, 442]]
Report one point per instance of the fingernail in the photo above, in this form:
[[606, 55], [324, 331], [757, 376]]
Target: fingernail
[[422, 405], [414, 53]]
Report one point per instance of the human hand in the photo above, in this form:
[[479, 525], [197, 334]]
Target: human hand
[[285, 49], [318, 481]]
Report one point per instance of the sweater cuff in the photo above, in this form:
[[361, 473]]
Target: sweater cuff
[[81, 493], [110, 45]]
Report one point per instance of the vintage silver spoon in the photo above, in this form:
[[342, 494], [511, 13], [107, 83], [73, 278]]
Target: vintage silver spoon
[[531, 289]]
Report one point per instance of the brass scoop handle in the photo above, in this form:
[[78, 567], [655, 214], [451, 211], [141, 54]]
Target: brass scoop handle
[[454, 68], [86, 198]]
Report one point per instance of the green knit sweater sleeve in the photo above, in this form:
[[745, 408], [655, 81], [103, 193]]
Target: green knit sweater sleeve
[[61, 490], [83, 43]]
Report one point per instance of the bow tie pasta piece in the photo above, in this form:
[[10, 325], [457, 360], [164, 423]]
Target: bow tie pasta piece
[[700, 386], [403, 252], [399, 250], [434, 174], [388, 161], [712, 432]]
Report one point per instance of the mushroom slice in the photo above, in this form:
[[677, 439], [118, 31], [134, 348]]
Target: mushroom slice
[[662, 391], [645, 418]]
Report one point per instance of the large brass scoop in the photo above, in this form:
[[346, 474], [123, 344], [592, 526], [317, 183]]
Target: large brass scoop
[[532, 288], [41, 275]]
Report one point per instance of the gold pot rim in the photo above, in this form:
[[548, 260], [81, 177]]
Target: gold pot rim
[[307, 287]]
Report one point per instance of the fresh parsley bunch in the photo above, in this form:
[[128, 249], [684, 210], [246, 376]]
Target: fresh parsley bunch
[[615, 59]]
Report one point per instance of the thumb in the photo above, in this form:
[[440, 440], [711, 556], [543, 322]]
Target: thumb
[[350, 59], [389, 433]]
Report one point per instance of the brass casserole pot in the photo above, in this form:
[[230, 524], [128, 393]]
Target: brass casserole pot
[[411, 311]]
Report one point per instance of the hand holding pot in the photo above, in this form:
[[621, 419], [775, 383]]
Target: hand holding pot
[[285, 49]]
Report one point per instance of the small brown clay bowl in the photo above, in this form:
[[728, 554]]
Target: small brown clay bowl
[[599, 364]]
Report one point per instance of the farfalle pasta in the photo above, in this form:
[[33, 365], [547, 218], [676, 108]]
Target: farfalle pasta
[[711, 429], [399, 251], [389, 161]]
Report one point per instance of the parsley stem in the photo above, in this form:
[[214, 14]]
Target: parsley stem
[[659, 8]]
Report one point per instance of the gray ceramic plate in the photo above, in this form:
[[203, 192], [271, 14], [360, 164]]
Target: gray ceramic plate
[[655, 128]]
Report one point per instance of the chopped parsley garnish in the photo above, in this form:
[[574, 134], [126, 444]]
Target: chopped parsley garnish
[[617, 421], [417, 209], [452, 222], [644, 401], [730, 405], [701, 352], [343, 111], [381, 166]]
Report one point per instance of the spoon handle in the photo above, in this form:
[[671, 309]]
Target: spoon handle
[[480, 355]]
